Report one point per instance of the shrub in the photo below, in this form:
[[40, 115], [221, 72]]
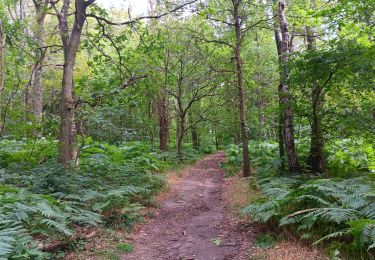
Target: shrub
[[350, 156]]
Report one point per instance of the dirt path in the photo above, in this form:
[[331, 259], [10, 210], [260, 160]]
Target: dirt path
[[192, 222]]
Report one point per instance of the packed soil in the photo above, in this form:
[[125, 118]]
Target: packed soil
[[193, 222]]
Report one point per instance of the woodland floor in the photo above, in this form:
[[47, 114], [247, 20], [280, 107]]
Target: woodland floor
[[193, 221], [197, 219]]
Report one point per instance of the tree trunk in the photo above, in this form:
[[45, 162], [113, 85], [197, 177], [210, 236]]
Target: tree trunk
[[241, 90], [217, 144], [194, 138], [281, 140], [180, 138], [37, 84], [163, 121], [181, 111], [281, 114], [316, 158], [2, 68], [260, 101], [163, 107], [68, 134], [284, 92], [194, 133]]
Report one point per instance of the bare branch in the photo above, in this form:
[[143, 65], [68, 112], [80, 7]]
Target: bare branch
[[135, 20]]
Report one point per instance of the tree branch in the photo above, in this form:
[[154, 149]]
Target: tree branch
[[135, 20]]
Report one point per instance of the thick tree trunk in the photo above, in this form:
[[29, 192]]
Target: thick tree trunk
[[281, 141], [2, 68], [316, 158], [241, 90], [68, 134], [284, 93]]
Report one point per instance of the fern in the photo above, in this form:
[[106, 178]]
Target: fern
[[61, 227], [110, 187], [321, 209]]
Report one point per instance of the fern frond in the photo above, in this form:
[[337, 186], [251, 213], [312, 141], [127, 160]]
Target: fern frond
[[332, 236], [335, 215], [62, 228]]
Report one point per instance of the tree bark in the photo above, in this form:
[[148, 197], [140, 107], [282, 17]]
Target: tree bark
[[284, 92], [163, 121], [37, 84], [260, 101], [163, 108], [68, 134], [241, 90], [316, 158], [2, 67], [281, 114], [180, 138]]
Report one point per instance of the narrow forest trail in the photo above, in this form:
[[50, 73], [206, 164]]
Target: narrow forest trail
[[192, 221]]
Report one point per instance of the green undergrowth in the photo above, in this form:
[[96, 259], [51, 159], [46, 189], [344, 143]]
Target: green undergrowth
[[41, 202], [336, 212]]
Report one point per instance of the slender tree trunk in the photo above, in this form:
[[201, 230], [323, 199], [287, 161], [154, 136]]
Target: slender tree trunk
[[262, 117], [316, 158], [37, 84], [163, 121], [2, 68], [241, 90], [181, 112], [180, 138], [217, 144], [281, 113], [68, 134], [163, 108], [258, 91], [284, 92], [194, 133]]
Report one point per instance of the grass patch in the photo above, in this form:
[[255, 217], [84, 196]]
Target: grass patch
[[230, 169], [124, 248], [266, 241], [242, 192], [107, 255]]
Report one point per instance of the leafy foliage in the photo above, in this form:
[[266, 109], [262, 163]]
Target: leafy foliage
[[319, 209], [111, 186]]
